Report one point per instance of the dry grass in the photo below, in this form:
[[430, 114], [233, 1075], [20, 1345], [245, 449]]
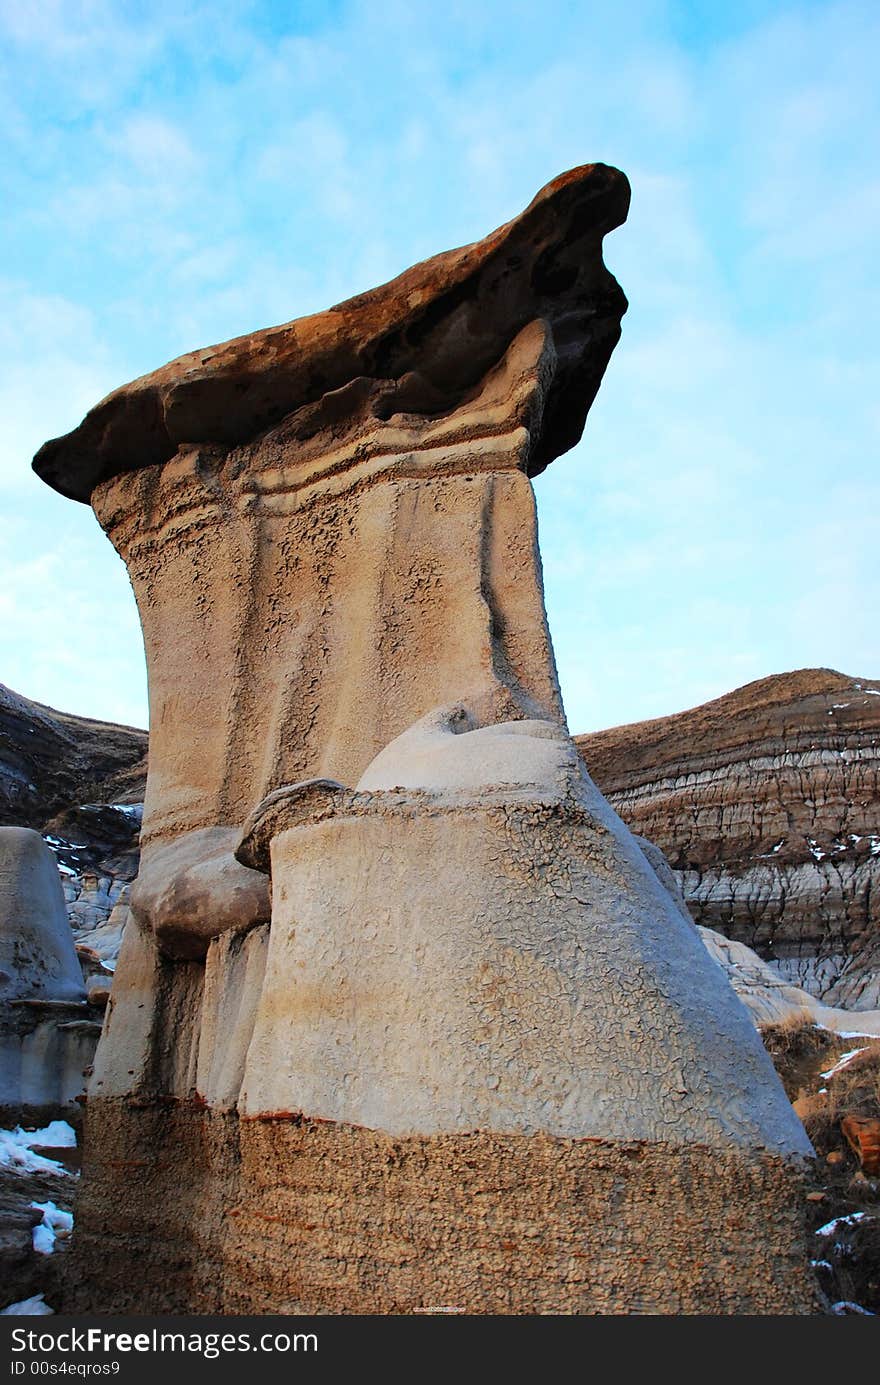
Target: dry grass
[[847, 1260], [854, 1091], [801, 1053], [799, 1050]]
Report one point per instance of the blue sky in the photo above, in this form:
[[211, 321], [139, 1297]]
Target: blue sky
[[177, 174]]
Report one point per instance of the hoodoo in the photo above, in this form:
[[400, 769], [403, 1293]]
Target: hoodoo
[[467, 1051]]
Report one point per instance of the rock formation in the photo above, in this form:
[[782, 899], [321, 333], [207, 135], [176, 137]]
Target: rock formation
[[862, 1134], [47, 1035], [465, 1061], [766, 803], [37, 1177], [770, 999], [467, 859], [81, 784], [37, 956]]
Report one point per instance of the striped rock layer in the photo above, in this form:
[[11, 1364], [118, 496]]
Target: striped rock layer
[[766, 803]]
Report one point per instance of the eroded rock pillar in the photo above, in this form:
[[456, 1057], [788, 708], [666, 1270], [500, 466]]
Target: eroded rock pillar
[[330, 530], [300, 611]]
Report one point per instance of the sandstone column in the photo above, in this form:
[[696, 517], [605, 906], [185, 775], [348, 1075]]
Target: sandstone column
[[330, 530], [328, 525]]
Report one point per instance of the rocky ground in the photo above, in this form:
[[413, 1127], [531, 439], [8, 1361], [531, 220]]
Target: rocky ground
[[37, 1188], [834, 1083], [766, 802]]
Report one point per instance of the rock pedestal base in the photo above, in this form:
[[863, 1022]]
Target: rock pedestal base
[[184, 1210]]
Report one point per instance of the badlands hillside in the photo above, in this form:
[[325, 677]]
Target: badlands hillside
[[80, 783], [766, 803], [51, 761]]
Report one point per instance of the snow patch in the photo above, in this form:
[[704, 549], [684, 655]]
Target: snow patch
[[16, 1148], [765, 855], [843, 1061], [850, 1220], [56, 1224], [58, 1134], [28, 1308]]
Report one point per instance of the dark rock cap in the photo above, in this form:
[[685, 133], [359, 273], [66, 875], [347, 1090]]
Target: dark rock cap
[[432, 333]]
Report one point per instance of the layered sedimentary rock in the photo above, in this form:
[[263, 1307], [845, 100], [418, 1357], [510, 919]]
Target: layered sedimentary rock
[[56, 932], [33, 1182], [97, 850], [330, 530], [473, 940], [481, 1024], [770, 999], [319, 1216], [766, 803]]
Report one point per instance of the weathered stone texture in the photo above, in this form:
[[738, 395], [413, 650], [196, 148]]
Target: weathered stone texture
[[297, 1216], [770, 999], [51, 763], [45, 1047], [419, 345], [47, 1033], [24, 1271], [331, 622], [329, 525], [497, 962]]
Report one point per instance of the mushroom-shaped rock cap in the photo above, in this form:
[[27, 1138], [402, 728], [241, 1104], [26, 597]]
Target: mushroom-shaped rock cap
[[433, 333]]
